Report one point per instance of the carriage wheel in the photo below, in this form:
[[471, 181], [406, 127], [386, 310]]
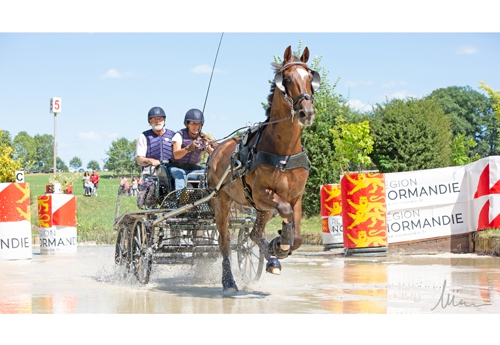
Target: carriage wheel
[[250, 260], [122, 245], [141, 253]]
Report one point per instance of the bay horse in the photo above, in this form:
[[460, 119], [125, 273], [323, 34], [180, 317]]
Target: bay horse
[[275, 166]]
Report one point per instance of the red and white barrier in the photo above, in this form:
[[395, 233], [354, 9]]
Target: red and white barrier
[[15, 225], [57, 223]]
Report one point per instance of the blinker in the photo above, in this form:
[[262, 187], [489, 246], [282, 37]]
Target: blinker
[[315, 84]]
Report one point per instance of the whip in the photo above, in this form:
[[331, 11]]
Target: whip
[[213, 68]]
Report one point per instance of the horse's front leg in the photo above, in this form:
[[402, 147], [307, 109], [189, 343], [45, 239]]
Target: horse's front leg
[[279, 248]]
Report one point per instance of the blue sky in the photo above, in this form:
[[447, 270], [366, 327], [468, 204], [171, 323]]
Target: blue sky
[[108, 79]]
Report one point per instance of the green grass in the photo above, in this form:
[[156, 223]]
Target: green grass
[[95, 215]]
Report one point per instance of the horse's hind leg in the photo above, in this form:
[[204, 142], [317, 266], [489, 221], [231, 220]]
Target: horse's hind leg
[[222, 207]]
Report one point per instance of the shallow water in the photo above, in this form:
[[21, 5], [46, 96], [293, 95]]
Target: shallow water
[[312, 282]]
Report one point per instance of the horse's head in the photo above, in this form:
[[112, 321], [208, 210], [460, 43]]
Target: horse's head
[[298, 83]]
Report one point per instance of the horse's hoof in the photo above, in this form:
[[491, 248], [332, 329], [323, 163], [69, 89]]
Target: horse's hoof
[[229, 286], [273, 266], [230, 290]]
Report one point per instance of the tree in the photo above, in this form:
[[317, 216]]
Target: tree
[[93, 165], [471, 114], [410, 134], [60, 165], [8, 165], [44, 155], [5, 138], [25, 146], [460, 148], [121, 156], [75, 163], [494, 98]]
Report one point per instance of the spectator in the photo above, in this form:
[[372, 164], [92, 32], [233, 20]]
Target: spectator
[[88, 187], [95, 180], [85, 178], [125, 185], [135, 186]]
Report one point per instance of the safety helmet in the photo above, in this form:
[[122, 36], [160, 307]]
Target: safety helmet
[[154, 112], [194, 115]]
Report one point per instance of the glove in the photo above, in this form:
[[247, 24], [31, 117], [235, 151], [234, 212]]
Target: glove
[[192, 146]]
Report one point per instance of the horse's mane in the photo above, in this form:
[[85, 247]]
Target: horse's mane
[[277, 67]]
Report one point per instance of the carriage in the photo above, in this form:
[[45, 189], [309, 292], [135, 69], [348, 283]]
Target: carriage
[[265, 170], [178, 227]]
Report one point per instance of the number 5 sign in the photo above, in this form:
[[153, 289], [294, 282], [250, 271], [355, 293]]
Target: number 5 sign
[[55, 105]]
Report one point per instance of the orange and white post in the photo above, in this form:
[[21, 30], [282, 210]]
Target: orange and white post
[[15, 225], [57, 223]]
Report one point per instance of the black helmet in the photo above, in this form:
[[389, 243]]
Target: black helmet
[[194, 115], [154, 112]]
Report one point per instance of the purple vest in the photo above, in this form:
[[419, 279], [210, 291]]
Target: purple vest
[[192, 157], [158, 146]]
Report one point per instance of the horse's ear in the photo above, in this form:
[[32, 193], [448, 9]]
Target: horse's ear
[[287, 56], [305, 55]]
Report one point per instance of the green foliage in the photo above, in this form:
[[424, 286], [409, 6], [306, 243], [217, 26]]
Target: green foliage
[[65, 180], [8, 165], [471, 113], [353, 143], [44, 151], [122, 157], [75, 163], [494, 98], [93, 165], [460, 148], [410, 134]]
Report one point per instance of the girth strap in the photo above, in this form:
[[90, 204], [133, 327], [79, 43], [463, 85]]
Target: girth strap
[[299, 160]]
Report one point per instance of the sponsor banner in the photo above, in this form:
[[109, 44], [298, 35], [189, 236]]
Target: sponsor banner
[[364, 210], [426, 222], [58, 239], [15, 240], [414, 189], [442, 202]]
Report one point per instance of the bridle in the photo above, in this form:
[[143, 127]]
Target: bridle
[[315, 84]]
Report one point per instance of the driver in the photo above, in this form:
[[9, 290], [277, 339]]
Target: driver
[[154, 145], [188, 145]]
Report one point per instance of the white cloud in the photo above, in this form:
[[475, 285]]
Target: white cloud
[[467, 50], [92, 136], [204, 69], [114, 74], [356, 104]]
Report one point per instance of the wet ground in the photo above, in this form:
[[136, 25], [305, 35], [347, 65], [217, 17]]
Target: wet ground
[[312, 282]]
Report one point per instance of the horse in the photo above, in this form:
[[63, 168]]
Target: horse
[[275, 167]]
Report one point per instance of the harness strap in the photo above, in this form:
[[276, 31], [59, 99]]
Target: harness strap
[[299, 160]]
